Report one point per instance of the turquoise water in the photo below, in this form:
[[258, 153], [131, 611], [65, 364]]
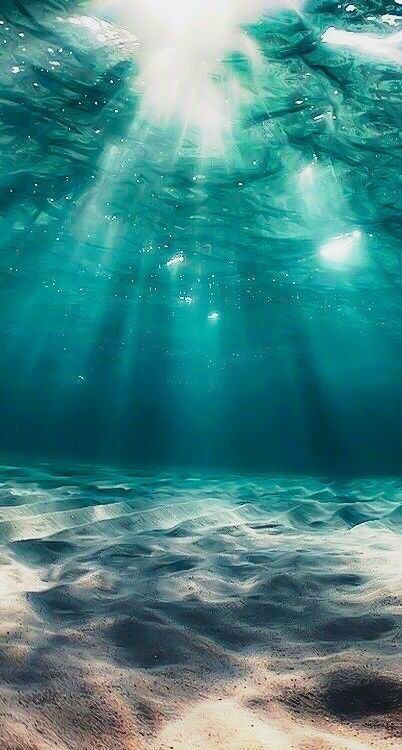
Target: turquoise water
[[200, 321], [261, 344]]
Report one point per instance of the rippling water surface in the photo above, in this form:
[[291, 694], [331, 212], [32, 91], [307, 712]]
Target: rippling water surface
[[200, 267]]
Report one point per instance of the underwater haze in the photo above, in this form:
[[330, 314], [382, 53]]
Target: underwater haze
[[200, 381]]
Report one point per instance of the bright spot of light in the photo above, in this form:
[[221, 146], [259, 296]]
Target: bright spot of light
[[341, 249], [306, 175], [213, 316], [182, 58], [175, 260]]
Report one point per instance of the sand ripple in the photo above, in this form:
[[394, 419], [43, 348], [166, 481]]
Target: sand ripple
[[154, 610]]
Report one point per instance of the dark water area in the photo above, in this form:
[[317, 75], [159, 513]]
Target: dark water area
[[200, 375]]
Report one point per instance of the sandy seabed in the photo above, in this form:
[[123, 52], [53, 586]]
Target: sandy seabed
[[156, 611]]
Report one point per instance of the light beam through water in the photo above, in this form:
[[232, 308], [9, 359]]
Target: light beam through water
[[183, 57]]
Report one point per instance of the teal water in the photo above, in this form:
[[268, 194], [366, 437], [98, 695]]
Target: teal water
[[200, 381], [272, 340]]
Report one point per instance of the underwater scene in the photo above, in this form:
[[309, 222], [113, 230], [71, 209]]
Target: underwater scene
[[200, 375]]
